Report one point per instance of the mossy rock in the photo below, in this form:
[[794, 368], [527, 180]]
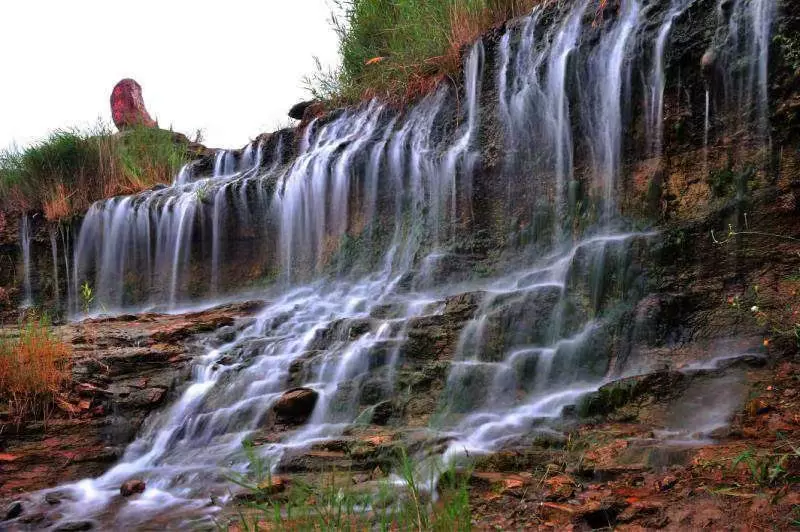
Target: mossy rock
[[632, 391]]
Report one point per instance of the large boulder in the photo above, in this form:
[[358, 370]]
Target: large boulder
[[295, 406], [127, 106]]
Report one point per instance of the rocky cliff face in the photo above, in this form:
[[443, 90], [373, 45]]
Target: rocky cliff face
[[523, 269]]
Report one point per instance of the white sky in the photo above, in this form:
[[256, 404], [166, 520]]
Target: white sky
[[232, 68]]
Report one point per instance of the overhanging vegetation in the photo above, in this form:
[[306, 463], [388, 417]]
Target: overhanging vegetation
[[399, 49]]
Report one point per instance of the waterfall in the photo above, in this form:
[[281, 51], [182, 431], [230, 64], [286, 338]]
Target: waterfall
[[25, 238], [743, 41], [559, 122], [224, 163], [220, 199], [184, 175], [607, 68], [655, 90], [136, 251], [248, 158], [459, 158], [543, 357], [370, 230], [54, 251]]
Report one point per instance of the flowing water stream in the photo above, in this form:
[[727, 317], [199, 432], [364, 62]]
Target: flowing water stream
[[25, 238], [367, 216]]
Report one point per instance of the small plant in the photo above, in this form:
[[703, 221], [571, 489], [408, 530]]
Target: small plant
[[759, 467], [790, 49], [87, 297], [35, 367], [795, 518], [201, 192], [771, 468], [333, 503]]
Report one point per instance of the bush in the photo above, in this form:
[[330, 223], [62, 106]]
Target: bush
[[64, 173], [34, 369], [399, 49]]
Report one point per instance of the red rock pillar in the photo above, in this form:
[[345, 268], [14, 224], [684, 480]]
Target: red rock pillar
[[127, 106]]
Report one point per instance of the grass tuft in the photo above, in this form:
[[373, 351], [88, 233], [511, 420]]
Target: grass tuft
[[35, 367]]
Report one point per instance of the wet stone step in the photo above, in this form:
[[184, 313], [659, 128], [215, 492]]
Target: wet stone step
[[536, 277], [389, 311], [342, 330]]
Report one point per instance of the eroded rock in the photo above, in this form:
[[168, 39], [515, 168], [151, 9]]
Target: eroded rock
[[14, 510], [127, 106], [559, 488]]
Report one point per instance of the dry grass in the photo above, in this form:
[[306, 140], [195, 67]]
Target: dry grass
[[466, 25], [56, 204], [35, 368]]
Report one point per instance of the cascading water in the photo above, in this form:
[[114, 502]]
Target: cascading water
[[657, 82], [527, 341], [137, 251], [362, 229], [25, 238], [607, 66], [224, 404], [535, 105], [743, 41], [54, 251]]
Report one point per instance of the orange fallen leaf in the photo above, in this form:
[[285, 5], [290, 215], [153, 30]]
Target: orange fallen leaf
[[512, 483]]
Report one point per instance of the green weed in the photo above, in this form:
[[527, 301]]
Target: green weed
[[770, 469], [332, 503]]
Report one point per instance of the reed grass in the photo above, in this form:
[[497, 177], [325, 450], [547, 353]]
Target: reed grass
[[35, 367], [398, 50], [64, 173]]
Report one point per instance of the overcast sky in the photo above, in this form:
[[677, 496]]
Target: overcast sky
[[232, 68]]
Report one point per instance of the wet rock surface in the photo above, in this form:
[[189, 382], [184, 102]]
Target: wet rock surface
[[123, 369], [614, 474]]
